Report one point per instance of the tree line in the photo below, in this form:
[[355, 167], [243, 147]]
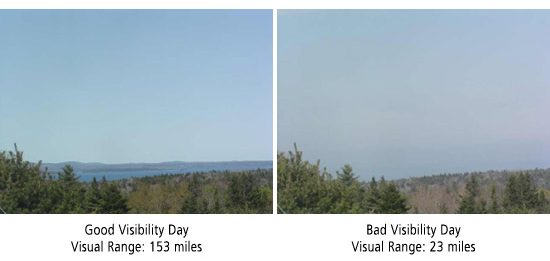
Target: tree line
[[520, 195], [213, 192], [304, 187], [26, 188]]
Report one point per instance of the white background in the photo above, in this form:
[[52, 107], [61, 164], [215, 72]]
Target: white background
[[275, 237]]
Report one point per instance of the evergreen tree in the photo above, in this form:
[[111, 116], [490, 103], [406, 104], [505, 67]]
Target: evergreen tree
[[302, 187], [348, 191], [111, 200], [261, 200], [469, 203], [94, 200], [521, 195], [217, 203], [391, 200], [72, 192], [542, 203], [346, 176], [494, 208], [241, 187], [192, 203], [372, 198], [24, 188]]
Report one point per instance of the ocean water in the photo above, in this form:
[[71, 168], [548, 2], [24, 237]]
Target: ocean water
[[124, 174], [116, 175]]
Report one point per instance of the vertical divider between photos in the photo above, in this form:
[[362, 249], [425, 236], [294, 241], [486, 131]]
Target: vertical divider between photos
[[274, 146]]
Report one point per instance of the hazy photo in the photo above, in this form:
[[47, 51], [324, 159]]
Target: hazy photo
[[413, 111], [136, 111]]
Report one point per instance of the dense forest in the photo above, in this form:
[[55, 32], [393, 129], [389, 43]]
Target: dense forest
[[304, 187], [25, 188], [524, 191]]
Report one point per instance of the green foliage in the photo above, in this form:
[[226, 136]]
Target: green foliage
[[25, 188], [202, 193], [347, 177], [93, 197], [522, 196], [470, 202], [72, 192], [372, 197], [349, 191], [110, 198], [391, 200], [384, 198], [246, 195], [304, 188], [428, 193], [495, 207], [193, 202]]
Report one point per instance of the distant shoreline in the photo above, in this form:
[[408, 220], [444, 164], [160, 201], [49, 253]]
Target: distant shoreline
[[87, 171]]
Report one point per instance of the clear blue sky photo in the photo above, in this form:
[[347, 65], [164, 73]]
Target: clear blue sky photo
[[410, 93], [118, 86]]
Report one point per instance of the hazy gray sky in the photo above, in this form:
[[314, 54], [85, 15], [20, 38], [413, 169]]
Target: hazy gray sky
[[408, 93], [136, 85]]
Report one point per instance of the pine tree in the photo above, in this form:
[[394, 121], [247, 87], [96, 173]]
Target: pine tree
[[349, 192], [542, 202], [72, 192], [469, 202], [93, 198], [302, 186], [346, 176], [261, 200], [521, 195], [192, 202], [494, 208], [372, 198], [511, 194], [23, 186], [391, 200], [217, 203], [112, 201]]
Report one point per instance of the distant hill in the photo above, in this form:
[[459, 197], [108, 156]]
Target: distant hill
[[433, 194], [126, 170]]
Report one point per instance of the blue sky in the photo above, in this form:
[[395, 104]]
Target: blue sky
[[410, 93], [136, 86]]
